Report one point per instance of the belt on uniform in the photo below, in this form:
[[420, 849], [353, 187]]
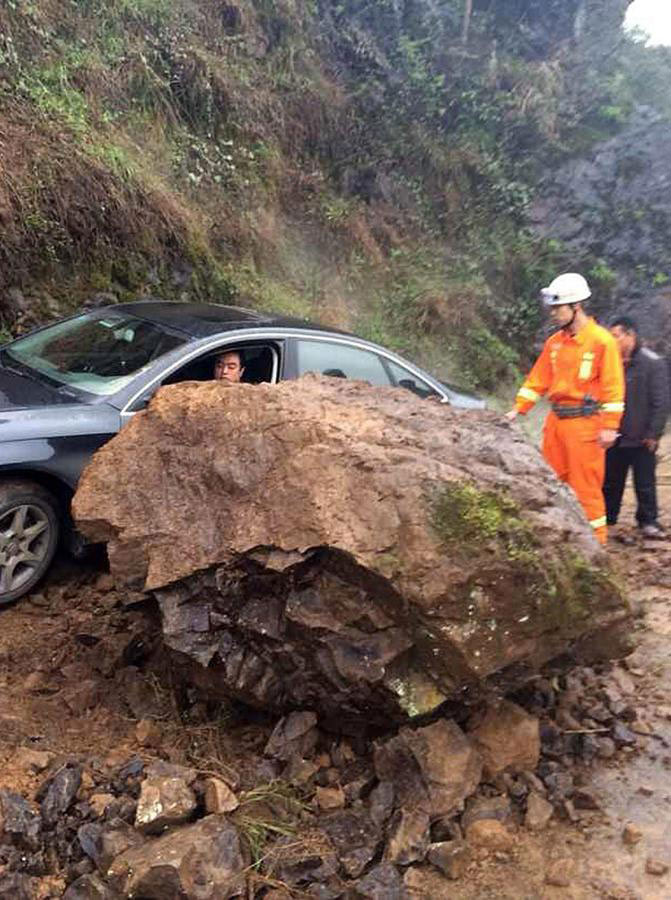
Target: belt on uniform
[[589, 408]]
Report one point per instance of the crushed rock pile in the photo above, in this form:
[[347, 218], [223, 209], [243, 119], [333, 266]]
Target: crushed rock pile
[[400, 817]]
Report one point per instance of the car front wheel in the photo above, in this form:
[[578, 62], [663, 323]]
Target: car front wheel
[[29, 529]]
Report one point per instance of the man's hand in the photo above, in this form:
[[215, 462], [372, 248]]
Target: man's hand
[[512, 415], [607, 437], [651, 444]]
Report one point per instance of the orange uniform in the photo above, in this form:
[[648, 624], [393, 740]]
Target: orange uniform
[[583, 378]]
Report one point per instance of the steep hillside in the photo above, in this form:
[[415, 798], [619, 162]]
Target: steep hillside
[[366, 162]]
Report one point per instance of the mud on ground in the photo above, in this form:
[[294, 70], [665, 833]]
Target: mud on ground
[[79, 671]]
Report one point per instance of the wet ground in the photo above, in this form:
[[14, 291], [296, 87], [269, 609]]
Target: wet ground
[[69, 685]]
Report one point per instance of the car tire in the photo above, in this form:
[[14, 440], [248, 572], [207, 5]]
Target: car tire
[[29, 533]]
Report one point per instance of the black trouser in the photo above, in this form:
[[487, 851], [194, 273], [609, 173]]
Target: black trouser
[[643, 462]]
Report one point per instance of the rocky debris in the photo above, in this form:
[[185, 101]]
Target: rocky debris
[[631, 834], [656, 866], [490, 835], [383, 882], [557, 873], [89, 887], [433, 768], [148, 733], [59, 793], [218, 797], [507, 739], [204, 856], [294, 736], [18, 820], [330, 797], [33, 760], [539, 812], [451, 857], [163, 801], [349, 553]]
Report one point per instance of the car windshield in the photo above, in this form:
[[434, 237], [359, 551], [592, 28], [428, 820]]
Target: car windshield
[[95, 352]]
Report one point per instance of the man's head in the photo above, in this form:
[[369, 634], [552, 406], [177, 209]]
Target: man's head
[[228, 367], [625, 331], [564, 297]]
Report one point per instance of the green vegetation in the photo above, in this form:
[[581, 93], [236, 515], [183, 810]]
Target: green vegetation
[[468, 520], [354, 160]]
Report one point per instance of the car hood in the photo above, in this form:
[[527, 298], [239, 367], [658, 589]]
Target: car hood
[[20, 392]]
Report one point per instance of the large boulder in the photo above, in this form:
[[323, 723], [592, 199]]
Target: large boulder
[[326, 545]]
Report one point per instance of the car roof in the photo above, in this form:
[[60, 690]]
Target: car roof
[[205, 319]]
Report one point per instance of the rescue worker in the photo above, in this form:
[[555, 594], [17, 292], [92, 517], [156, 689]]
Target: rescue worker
[[581, 372]]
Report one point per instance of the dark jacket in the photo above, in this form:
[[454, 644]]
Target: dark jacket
[[647, 398]]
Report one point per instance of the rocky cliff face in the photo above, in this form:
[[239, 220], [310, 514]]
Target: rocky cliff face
[[612, 212], [356, 551]]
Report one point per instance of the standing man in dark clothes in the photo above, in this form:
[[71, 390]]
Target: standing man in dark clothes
[[645, 412]]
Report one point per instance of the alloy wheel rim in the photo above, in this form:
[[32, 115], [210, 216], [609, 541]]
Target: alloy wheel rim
[[24, 544]]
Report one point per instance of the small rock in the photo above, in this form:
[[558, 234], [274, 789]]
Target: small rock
[[104, 583], [539, 812], [557, 873], [451, 857], [623, 680], [295, 734], [82, 696], [533, 781], [205, 859], [89, 887], [606, 747], [409, 836], [163, 802], [299, 771], [330, 797], [100, 803], [18, 820], [148, 733], [381, 803], [584, 799], [507, 738], [655, 866], [631, 834], [382, 883], [646, 790], [622, 735], [60, 793], [33, 760], [490, 835], [559, 784], [219, 798], [38, 683], [497, 807]]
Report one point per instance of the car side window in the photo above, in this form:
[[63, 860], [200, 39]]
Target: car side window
[[261, 362], [340, 361], [404, 378]]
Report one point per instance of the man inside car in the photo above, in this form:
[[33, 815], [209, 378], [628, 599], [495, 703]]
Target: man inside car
[[228, 367]]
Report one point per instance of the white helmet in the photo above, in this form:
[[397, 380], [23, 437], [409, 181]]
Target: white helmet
[[567, 288]]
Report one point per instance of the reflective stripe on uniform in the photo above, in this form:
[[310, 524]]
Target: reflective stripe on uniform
[[598, 523], [527, 394], [585, 371], [612, 407]]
